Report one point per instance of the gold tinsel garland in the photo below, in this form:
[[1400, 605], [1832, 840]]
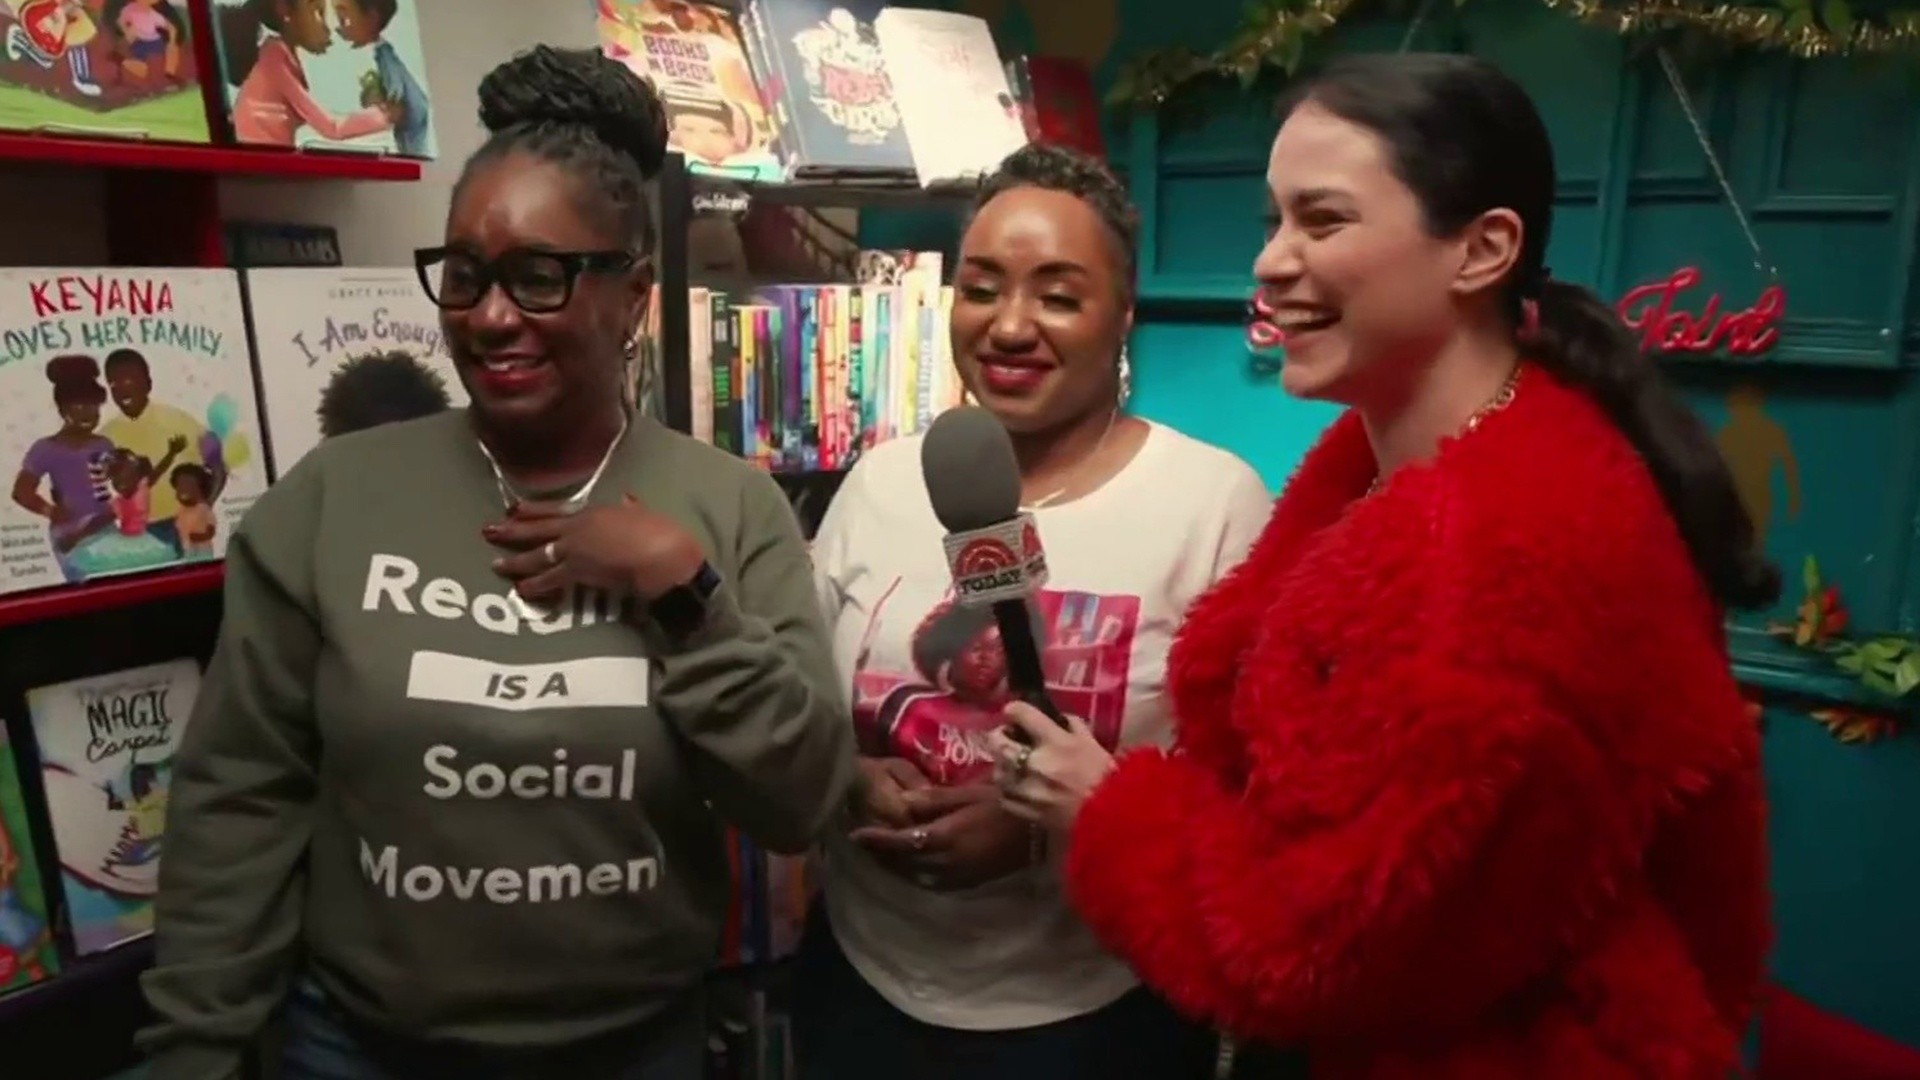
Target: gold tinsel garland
[[1276, 35]]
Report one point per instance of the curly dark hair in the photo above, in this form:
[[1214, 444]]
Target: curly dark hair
[[379, 388], [1087, 178], [584, 112]]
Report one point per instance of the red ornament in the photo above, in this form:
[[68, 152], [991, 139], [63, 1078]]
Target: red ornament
[[1751, 331]]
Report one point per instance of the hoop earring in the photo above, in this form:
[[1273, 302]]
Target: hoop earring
[[1126, 378]]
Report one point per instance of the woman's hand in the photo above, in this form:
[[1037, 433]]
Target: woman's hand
[[885, 784], [959, 837], [622, 549], [1046, 779]]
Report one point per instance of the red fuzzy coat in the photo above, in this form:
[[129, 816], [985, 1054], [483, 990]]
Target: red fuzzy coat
[[1464, 787]]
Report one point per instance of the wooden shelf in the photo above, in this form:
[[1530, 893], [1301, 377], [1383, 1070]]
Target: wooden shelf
[[108, 593], [255, 161]]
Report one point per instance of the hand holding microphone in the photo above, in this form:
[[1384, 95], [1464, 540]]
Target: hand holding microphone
[[993, 549], [1048, 762]]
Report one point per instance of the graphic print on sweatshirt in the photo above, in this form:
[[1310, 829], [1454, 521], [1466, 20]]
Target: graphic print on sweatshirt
[[507, 735], [937, 706]]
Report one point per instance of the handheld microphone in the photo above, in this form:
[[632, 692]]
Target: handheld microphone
[[993, 548]]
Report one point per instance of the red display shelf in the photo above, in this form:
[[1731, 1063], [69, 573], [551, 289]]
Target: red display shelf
[[108, 593], [259, 161]]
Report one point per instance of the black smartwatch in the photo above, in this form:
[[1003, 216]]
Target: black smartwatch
[[682, 610]]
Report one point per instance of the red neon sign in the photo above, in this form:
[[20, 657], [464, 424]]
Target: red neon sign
[[1649, 309]]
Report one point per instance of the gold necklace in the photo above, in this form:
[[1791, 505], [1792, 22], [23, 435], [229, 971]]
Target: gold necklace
[[1035, 504], [1501, 399]]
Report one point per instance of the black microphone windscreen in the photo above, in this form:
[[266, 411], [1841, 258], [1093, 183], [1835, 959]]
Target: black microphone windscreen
[[972, 476]]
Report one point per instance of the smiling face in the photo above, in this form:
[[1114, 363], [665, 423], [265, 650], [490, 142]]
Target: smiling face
[[131, 385], [1355, 277], [536, 372], [355, 24], [1039, 309], [81, 417]]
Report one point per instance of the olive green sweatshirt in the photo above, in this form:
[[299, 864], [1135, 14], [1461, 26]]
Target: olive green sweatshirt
[[466, 826]]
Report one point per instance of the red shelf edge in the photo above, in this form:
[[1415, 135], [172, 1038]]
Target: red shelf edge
[[108, 593], [240, 161]]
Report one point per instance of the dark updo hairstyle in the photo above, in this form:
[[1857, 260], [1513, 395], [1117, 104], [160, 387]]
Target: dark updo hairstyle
[[1466, 139], [588, 114], [1058, 168], [76, 381]]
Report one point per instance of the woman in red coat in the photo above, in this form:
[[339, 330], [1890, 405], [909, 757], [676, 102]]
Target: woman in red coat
[[1464, 789]]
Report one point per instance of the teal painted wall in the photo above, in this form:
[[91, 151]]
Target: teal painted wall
[[1826, 158]]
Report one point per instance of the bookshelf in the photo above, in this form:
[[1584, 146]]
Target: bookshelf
[[684, 196], [80, 1024]]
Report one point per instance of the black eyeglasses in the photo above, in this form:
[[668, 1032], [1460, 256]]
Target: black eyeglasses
[[537, 282]]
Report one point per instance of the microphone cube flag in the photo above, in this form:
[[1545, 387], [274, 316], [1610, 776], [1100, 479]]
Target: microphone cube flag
[[1000, 562]]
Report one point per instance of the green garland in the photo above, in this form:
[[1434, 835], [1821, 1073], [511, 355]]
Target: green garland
[[1276, 34]]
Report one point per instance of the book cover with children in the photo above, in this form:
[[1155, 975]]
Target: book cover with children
[[127, 421], [114, 68], [106, 758], [340, 349], [331, 74], [693, 55], [27, 951]]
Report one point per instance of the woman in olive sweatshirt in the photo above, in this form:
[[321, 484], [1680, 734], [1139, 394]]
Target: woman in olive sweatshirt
[[490, 681]]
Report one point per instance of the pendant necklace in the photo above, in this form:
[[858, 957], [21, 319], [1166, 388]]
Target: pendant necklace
[[1035, 504], [572, 504]]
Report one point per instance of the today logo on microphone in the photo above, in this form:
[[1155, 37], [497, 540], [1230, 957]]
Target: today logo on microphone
[[1000, 562]]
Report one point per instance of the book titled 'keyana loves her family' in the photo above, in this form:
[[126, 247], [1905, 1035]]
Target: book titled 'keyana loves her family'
[[127, 420]]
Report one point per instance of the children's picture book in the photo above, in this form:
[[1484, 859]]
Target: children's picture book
[[113, 68], [127, 421], [819, 63], [106, 760], [340, 349], [27, 951], [693, 55], [960, 115], [332, 74]]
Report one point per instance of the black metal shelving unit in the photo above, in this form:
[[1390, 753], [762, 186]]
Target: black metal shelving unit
[[684, 196]]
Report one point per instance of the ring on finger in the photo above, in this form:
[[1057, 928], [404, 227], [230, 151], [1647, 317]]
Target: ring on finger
[[919, 839], [551, 553], [1021, 757]]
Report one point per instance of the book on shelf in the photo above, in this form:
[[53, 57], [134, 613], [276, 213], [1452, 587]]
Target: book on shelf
[[346, 75], [849, 91], [819, 65], [127, 418], [694, 55], [119, 69], [28, 952], [951, 88], [803, 377], [106, 746], [341, 349]]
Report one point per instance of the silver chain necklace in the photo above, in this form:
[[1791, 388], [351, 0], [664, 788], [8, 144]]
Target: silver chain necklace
[[1092, 455], [572, 504]]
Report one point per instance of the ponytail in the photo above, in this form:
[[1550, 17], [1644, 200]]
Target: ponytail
[[238, 26], [1581, 340]]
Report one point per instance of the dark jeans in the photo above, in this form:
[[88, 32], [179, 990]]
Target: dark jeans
[[844, 1030], [321, 1043]]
